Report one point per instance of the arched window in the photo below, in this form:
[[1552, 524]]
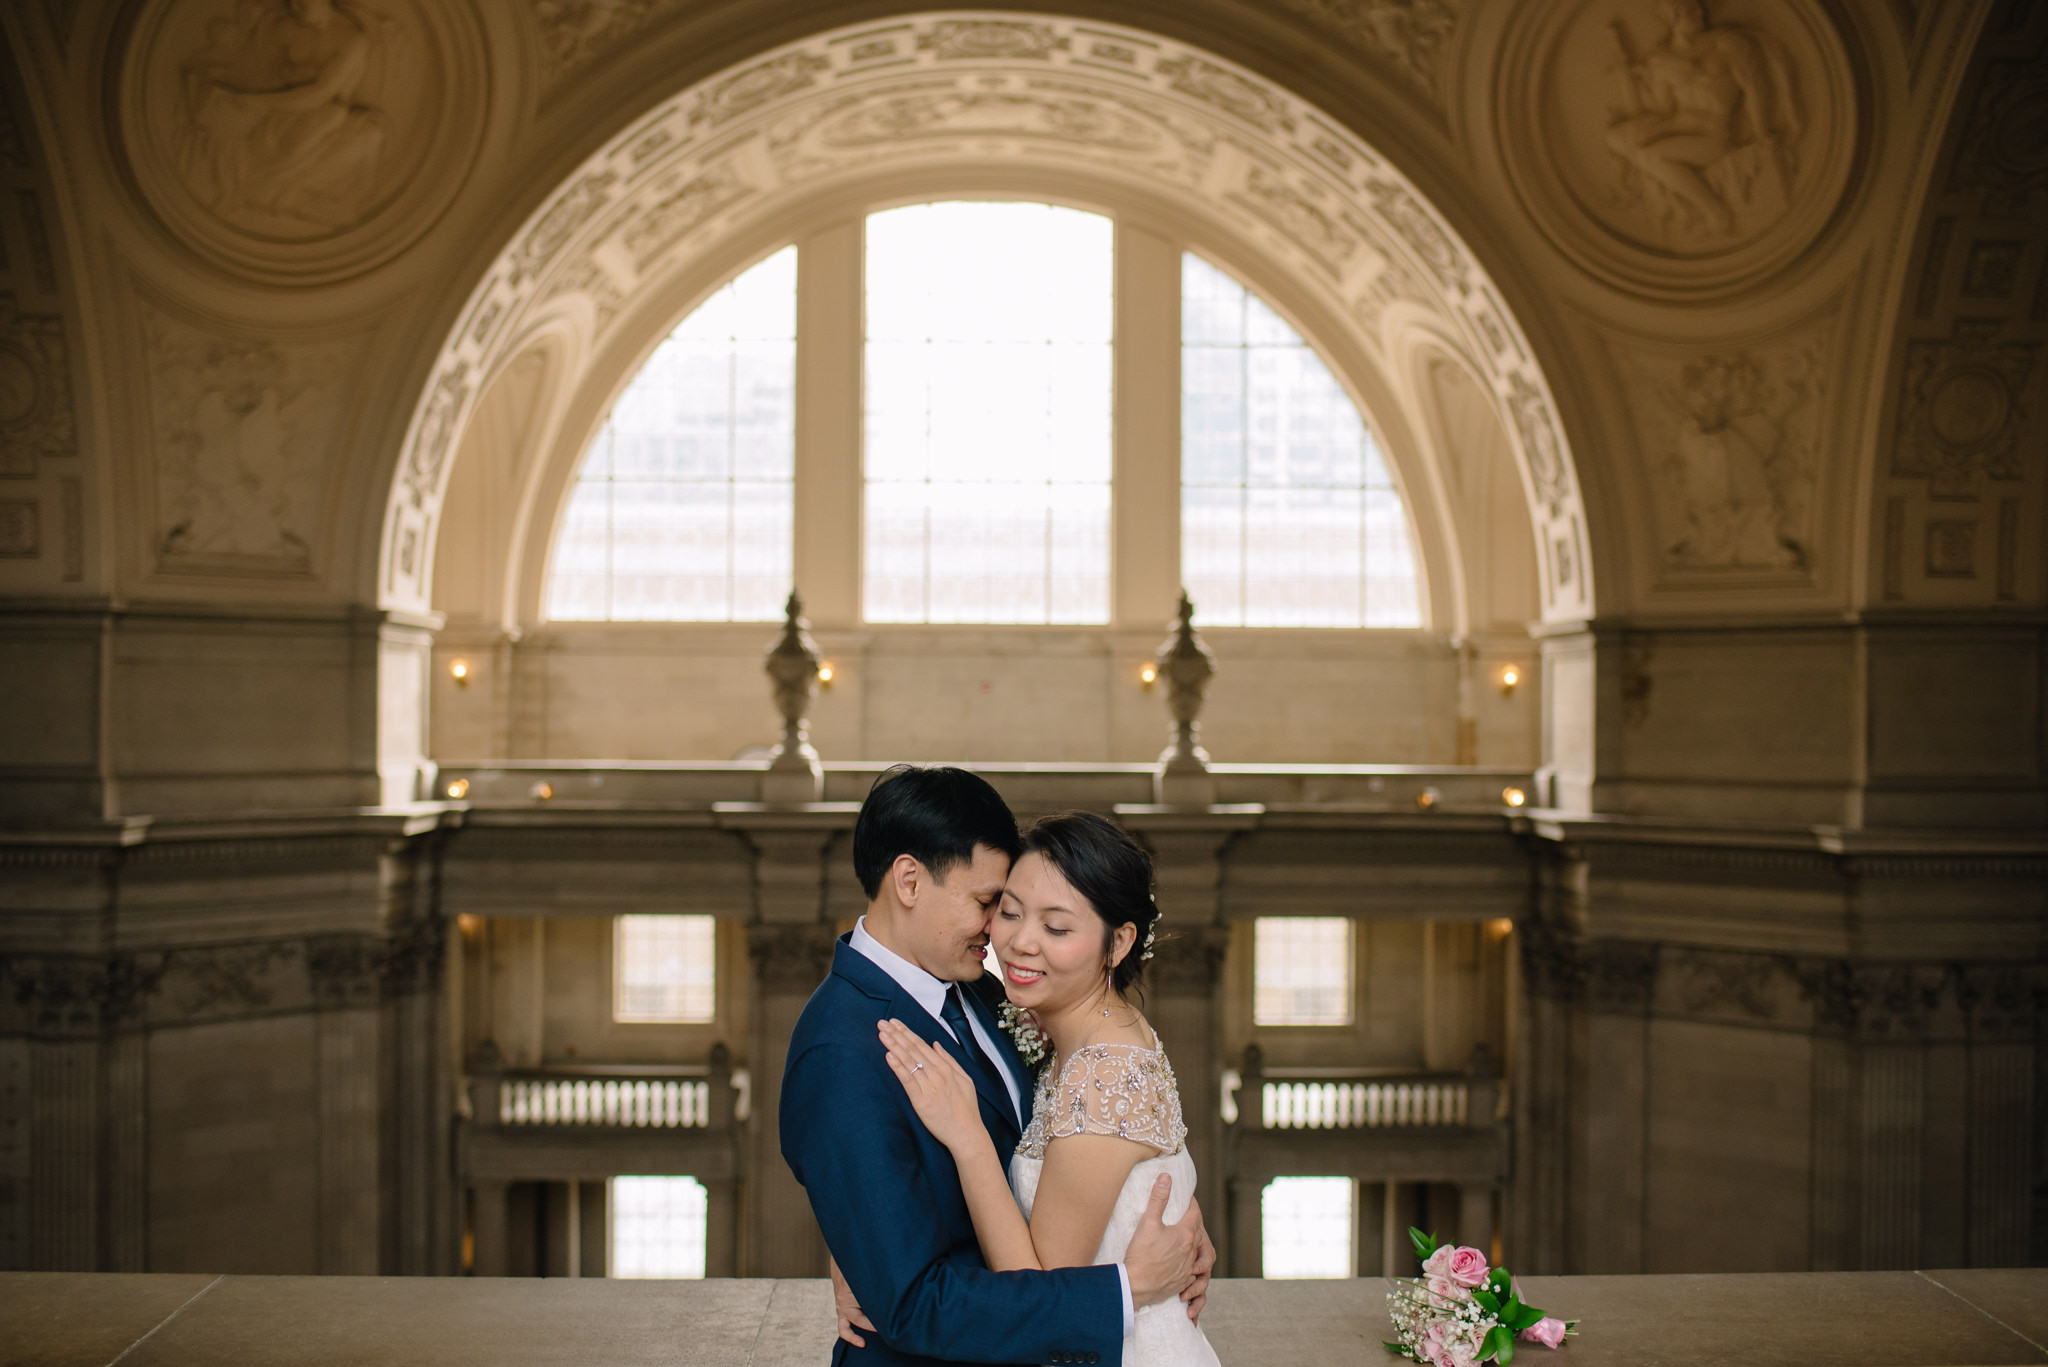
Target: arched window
[[987, 435], [989, 329], [681, 511], [1289, 517]]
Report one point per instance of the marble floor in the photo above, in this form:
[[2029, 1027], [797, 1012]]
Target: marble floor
[[1982, 1318]]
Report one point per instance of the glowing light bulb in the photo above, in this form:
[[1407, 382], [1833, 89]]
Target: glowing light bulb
[[459, 789], [825, 675], [1509, 677], [459, 671], [1514, 797], [1149, 675]]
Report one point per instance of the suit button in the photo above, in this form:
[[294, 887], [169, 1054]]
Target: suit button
[[1095, 1357], [1059, 1359]]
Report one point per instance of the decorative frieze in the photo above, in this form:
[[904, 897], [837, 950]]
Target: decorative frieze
[[1869, 1003]]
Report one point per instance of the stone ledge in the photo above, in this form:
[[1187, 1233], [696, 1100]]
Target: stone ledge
[[1979, 1318]]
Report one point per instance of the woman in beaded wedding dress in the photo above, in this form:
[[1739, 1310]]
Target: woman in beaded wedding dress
[[1072, 934]]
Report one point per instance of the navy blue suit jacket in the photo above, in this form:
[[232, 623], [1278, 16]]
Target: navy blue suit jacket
[[887, 1195]]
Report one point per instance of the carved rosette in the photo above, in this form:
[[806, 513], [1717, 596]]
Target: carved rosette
[[1678, 148], [301, 142]]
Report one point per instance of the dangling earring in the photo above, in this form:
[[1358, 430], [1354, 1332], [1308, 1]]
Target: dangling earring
[[1108, 988]]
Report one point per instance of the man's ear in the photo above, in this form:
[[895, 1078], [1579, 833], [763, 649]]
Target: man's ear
[[907, 877]]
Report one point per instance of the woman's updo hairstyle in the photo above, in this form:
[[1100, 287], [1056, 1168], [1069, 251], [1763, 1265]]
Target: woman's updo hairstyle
[[1105, 865]]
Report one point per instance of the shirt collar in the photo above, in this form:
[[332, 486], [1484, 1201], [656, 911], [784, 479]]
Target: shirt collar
[[926, 990]]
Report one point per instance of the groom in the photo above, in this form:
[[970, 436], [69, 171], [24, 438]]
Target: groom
[[932, 848]]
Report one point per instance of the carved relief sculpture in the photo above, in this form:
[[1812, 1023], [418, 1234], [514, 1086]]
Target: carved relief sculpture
[[1405, 34], [1733, 444], [279, 124], [300, 139], [243, 431], [1706, 123], [1680, 145]]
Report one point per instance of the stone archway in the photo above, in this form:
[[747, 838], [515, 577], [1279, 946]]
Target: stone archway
[[706, 169]]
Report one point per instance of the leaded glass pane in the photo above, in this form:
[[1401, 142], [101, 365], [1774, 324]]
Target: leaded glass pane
[[1289, 516], [987, 422], [682, 509]]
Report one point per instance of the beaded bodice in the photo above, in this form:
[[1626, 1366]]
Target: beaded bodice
[[1124, 1090]]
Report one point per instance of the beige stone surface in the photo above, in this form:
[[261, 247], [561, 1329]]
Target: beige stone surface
[[2016, 1297], [84, 1319], [1901, 1319]]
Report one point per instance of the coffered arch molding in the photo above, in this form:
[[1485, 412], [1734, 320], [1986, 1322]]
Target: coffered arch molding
[[1323, 224], [604, 361]]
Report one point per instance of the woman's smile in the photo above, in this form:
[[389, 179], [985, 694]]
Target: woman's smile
[[1020, 976]]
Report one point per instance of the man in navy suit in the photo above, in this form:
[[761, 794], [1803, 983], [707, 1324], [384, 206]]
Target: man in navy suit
[[932, 848]]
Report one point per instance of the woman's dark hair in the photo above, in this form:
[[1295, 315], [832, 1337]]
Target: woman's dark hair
[[1103, 863], [935, 814]]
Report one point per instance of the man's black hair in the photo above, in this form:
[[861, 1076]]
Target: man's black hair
[[936, 814]]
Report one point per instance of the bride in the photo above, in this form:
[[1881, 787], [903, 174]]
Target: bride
[[1072, 934]]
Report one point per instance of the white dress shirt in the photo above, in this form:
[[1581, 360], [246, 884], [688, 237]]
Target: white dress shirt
[[929, 992]]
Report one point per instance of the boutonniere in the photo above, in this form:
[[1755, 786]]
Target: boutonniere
[[1023, 1032]]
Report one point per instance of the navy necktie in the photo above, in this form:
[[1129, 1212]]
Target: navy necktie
[[967, 1050]]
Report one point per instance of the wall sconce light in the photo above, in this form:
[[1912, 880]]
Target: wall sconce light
[[825, 675], [1148, 676], [470, 925], [1514, 797], [1500, 927], [459, 671], [459, 789], [1427, 799], [1509, 677], [543, 791]]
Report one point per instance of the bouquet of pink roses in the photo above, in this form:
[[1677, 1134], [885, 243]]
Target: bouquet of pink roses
[[1460, 1313]]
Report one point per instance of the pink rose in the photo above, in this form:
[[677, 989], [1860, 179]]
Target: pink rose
[[1465, 1266], [1433, 1341], [1445, 1289], [1546, 1331]]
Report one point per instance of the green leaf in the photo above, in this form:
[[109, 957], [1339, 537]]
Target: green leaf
[[1425, 1244], [1498, 1344], [1518, 1316], [1500, 1281], [1487, 1301], [1396, 1349]]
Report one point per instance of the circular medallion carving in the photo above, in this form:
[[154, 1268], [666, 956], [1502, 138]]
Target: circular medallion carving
[[1968, 407], [299, 140], [1680, 147]]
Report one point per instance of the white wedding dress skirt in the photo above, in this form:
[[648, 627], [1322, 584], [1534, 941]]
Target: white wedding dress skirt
[[1163, 1335]]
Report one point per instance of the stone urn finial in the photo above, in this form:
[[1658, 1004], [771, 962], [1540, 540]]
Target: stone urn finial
[[1187, 665], [793, 774]]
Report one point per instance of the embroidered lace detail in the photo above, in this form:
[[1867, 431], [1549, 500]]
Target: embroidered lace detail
[[1124, 1090]]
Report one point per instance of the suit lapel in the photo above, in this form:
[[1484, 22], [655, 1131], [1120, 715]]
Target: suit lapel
[[865, 974]]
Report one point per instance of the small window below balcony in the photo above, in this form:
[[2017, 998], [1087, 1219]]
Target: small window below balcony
[[665, 970]]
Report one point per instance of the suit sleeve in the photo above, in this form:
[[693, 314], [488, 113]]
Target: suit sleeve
[[855, 1147]]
